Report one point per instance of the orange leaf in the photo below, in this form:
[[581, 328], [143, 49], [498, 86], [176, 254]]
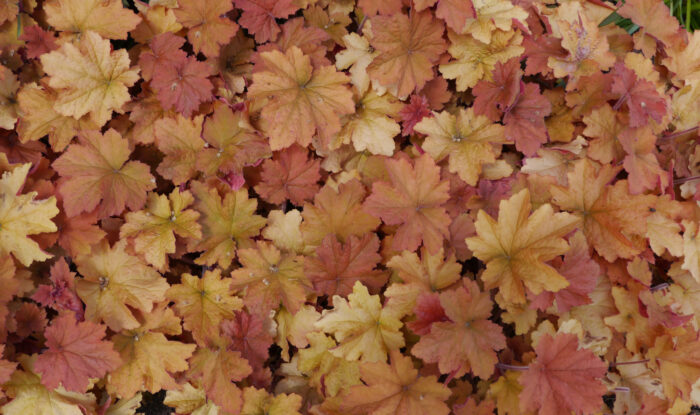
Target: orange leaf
[[394, 389], [269, 277], [302, 100], [516, 247], [208, 31], [408, 49], [414, 199], [96, 170], [203, 303]]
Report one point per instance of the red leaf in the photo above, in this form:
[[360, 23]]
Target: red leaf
[[525, 119], [76, 353], [250, 334], [412, 113], [337, 266], [640, 95], [38, 41], [493, 97], [581, 272], [563, 378], [60, 295], [259, 16], [292, 175], [165, 52], [428, 310], [183, 85]]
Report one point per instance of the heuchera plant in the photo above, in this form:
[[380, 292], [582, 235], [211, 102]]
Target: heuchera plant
[[339, 207]]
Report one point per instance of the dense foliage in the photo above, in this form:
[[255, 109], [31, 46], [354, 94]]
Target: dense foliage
[[335, 207]]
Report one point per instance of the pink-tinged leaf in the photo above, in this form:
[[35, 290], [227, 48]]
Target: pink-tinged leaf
[[60, 295], [165, 52], [494, 97], [428, 310], [563, 378], [524, 120], [640, 96], [290, 174], [414, 199], [39, 41], [259, 16], [252, 336], [76, 352], [641, 161], [412, 113], [455, 13], [336, 267], [183, 85], [581, 272]]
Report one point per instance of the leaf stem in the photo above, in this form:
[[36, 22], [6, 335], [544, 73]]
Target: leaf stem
[[620, 101], [362, 24], [675, 134], [658, 287], [504, 366], [685, 179]]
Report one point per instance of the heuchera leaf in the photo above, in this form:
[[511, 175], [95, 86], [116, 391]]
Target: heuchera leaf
[[108, 18], [181, 141], [183, 84], [640, 96], [493, 97], [337, 211], [76, 352], [516, 247], [337, 266], [227, 224], [269, 277], [203, 303], [430, 273], [467, 139], [562, 378], [207, 29], [251, 334], [413, 199], [138, 345], [41, 118], [61, 294], [613, 220], [231, 142], [363, 329], [259, 16], [218, 368], [394, 389], [114, 283], [524, 120], [21, 215], [97, 171], [408, 48], [582, 273], [89, 77], [302, 100], [152, 230], [290, 175], [468, 340], [257, 401]]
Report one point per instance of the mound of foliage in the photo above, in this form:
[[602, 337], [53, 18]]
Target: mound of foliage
[[334, 207]]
